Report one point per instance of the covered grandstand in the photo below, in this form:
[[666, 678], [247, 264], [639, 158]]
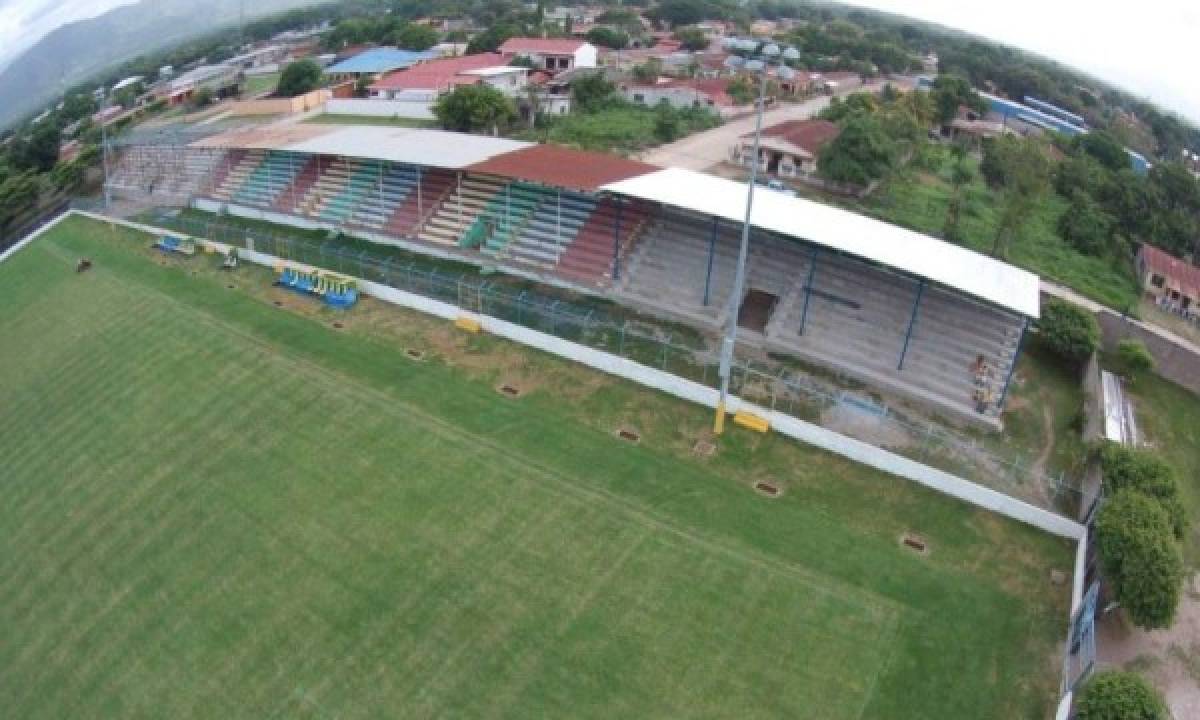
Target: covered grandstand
[[902, 311]]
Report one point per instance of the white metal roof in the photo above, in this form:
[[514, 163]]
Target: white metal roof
[[435, 148], [496, 70], [950, 265]]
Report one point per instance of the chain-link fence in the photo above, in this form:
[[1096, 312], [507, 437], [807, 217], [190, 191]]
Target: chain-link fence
[[778, 386]]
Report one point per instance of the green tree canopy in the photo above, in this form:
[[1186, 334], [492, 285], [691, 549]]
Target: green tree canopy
[[1102, 146], [492, 38], [1134, 355], [412, 36], [298, 78], [1085, 225], [691, 38], [473, 108], [951, 91], [1147, 473], [608, 37], [1140, 558], [1068, 330], [592, 92], [1118, 695], [861, 154]]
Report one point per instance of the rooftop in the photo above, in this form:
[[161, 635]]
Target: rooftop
[[926, 257], [380, 60], [439, 73], [563, 167], [1180, 274], [807, 135], [563, 46]]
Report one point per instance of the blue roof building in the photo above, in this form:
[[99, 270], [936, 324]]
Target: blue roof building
[[377, 61]]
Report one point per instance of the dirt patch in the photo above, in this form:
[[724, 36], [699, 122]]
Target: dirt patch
[[414, 354], [1169, 658], [509, 390], [338, 326], [704, 448], [879, 430]]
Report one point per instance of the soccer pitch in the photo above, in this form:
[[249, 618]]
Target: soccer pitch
[[214, 507]]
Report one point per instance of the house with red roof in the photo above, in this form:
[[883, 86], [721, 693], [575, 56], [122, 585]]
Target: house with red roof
[[1171, 283], [552, 54], [712, 93], [428, 80], [788, 150]]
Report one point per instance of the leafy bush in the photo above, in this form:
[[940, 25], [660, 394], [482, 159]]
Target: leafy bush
[[1116, 695], [471, 108], [862, 153], [1140, 558], [1148, 474], [298, 78], [1070, 331], [1085, 225], [1134, 356]]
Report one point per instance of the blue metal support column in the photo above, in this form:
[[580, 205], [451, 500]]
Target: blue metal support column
[[712, 249], [812, 276], [616, 273], [912, 323], [1013, 368]]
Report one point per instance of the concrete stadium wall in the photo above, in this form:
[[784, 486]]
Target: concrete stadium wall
[[281, 106], [415, 110], [1175, 362], [662, 381]]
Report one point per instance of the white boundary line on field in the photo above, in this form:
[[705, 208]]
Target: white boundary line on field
[[33, 236]]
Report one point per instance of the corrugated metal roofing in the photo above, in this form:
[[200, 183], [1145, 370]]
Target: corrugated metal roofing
[[563, 167], [435, 148], [950, 265], [378, 60]]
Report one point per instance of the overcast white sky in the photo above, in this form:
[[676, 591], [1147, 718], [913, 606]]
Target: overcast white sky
[[1151, 47]]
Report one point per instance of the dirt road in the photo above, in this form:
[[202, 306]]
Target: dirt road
[[703, 150]]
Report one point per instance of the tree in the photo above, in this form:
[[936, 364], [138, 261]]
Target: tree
[[1140, 558], [492, 38], [202, 98], [592, 92], [1102, 146], [1069, 331], [18, 195], [742, 90], [860, 154], [412, 36], [1118, 695], [854, 104], [1086, 226], [648, 71], [678, 12], [1022, 169], [608, 37], [471, 108], [298, 78], [668, 125], [1135, 357], [960, 176], [951, 91], [691, 38], [1146, 473], [38, 150]]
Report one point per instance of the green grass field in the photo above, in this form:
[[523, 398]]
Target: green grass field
[[332, 119], [217, 507]]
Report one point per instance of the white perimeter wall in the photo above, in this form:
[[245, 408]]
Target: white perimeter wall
[[413, 110]]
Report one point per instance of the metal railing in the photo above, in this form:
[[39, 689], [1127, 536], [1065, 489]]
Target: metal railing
[[807, 396]]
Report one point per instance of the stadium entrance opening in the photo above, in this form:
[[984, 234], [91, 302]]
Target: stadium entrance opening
[[756, 310]]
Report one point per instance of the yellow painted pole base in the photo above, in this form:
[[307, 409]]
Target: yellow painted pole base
[[719, 421]]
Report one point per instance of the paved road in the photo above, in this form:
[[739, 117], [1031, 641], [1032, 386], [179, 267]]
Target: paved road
[[703, 150]]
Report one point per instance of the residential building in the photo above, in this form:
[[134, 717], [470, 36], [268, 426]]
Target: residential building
[[432, 78], [787, 150], [1171, 283], [377, 62], [681, 93], [222, 80], [553, 55]]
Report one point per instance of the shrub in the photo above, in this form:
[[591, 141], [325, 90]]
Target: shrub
[[1070, 331], [1116, 695], [298, 78], [1140, 558], [1148, 474], [1134, 356]]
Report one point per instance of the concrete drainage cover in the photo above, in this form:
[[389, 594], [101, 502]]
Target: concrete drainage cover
[[768, 489], [914, 542]]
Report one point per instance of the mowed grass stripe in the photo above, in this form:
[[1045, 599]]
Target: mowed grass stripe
[[313, 541]]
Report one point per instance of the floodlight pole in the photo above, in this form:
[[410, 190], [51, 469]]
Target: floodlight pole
[[735, 300], [104, 158]]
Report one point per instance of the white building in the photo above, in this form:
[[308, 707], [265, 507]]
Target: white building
[[553, 55]]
